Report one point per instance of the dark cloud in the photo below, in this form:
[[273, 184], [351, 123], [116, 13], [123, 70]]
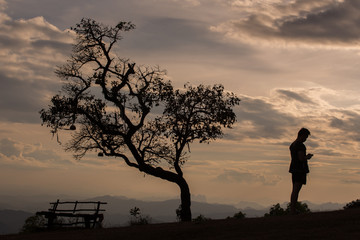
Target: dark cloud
[[351, 181], [30, 51], [66, 13], [163, 29], [52, 44], [338, 24], [62, 12], [276, 120], [337, 123], [291, 95], [167, 33], [10, 148], [266, 120], [348, 123], [329, 152], [245, 176], [313, 143], [32, 154], [7, 41], [33, 29], [21, 101], [178, 36], [304, 21], [45, 155]]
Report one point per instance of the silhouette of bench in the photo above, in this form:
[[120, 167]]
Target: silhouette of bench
[[76, 213]]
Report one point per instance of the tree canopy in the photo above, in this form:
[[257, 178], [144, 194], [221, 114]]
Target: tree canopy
[[120, 109]]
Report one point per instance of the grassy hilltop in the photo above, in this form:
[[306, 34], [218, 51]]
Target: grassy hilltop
[[343, 224]]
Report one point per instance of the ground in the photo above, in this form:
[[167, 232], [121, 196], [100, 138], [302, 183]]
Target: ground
[[344, 224]]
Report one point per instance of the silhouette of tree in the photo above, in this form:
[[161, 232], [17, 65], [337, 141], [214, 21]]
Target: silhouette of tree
[[277, 210], [239, 215], [353, 204], [34, 224], [300, 208], [137, 218], [133, 113]]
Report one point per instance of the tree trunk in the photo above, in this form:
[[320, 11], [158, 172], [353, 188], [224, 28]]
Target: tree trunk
[[185, 207], [185, 196]]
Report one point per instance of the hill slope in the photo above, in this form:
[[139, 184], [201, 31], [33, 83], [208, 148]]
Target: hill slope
[[322, 225], [12, 221]]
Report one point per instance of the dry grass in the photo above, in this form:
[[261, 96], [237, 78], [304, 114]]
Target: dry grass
[[323, 225]]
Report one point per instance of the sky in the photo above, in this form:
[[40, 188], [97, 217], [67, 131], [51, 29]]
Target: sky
[[293, 63]]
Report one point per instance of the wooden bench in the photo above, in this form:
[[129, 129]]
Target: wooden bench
[[77, 213]]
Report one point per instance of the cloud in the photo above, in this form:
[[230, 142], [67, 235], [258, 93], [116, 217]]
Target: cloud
[[29, 52], [321, 23], [329, 152], [180, 38], [188, 2], [259, 118], [350, 171], [20, 101], [66, 13], [15, 153], [247, 177], [348, 122], [272, 122], [351, 181], [10, 148], [291, 95], [32, 48]]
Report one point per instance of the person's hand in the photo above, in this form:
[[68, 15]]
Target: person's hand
[[309, 156]]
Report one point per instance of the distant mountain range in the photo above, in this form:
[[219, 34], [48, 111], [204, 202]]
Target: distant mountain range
[[15, 210]]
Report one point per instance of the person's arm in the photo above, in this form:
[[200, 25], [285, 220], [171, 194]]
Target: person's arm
[[303, 157]]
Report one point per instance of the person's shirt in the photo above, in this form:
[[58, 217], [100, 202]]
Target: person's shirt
[[296, 165]]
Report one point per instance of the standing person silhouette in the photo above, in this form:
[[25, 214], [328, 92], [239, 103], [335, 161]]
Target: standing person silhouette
[[299, 166]]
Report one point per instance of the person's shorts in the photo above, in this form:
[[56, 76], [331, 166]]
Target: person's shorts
[[299, 177]]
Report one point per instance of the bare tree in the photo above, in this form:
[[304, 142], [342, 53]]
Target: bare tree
[[131, 112]]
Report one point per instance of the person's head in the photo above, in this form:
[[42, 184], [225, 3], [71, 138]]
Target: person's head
[[303, 134]]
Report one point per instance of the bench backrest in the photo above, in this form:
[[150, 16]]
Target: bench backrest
[[77, 207]]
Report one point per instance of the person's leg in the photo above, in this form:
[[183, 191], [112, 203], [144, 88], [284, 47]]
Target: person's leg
[[294, 196]]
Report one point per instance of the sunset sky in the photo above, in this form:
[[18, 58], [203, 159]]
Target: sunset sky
[[293, 63]]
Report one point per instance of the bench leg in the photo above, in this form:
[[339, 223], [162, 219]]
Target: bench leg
[[87, 222], [51, 221]]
